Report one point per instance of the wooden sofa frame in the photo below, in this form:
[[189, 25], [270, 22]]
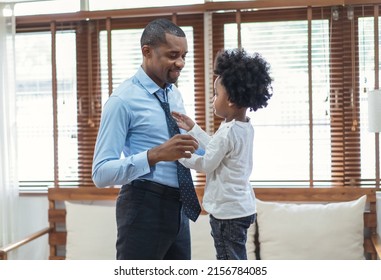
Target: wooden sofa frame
[[57, 214]]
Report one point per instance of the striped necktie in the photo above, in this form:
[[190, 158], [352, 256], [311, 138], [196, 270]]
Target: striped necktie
[[188, 194]]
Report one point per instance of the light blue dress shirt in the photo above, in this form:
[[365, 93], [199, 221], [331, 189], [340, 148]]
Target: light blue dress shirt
[[133, 122]]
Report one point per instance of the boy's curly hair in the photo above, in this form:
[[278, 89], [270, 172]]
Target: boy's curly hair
[[246, 78]]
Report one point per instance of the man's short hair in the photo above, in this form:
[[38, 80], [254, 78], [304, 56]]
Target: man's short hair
[[154, 32]]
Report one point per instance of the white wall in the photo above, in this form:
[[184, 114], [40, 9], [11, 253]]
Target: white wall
[[32, 217]]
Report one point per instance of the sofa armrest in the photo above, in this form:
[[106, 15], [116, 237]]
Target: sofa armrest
[[8, 248], [376, 240]]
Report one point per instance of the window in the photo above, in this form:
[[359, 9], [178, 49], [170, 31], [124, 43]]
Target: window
[[126, 57], [312, 134], [117, 4], [71, 6], [35, 108], [47, 7], [60, 103], [367, 83], [281, 150]]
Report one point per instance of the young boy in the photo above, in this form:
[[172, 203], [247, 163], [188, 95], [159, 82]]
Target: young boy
[[243, 82]]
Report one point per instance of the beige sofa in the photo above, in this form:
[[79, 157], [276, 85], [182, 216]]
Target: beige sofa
[[332, 223]]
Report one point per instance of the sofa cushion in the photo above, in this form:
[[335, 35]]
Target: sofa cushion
[[250, 242], [91, 230], [311, 231]]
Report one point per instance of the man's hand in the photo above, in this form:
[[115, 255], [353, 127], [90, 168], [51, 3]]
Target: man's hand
[[179, 146]]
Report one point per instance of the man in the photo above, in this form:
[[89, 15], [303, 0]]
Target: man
[[150, 216]]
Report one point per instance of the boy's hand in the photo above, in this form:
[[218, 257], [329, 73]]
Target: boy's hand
[[183, 121]]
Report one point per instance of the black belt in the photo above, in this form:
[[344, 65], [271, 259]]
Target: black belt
[[158, 188]]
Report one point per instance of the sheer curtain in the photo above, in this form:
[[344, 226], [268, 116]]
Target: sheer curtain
[[8, 173]]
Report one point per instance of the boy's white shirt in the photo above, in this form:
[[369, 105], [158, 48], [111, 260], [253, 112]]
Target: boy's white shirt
[[227, 163]]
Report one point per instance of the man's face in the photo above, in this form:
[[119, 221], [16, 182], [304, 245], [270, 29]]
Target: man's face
[[165, 62]]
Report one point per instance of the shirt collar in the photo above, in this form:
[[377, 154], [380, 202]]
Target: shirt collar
[[149, 84]]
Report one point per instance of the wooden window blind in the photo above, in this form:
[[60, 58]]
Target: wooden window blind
[[336, 41], [342, 99], [89, 84]]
